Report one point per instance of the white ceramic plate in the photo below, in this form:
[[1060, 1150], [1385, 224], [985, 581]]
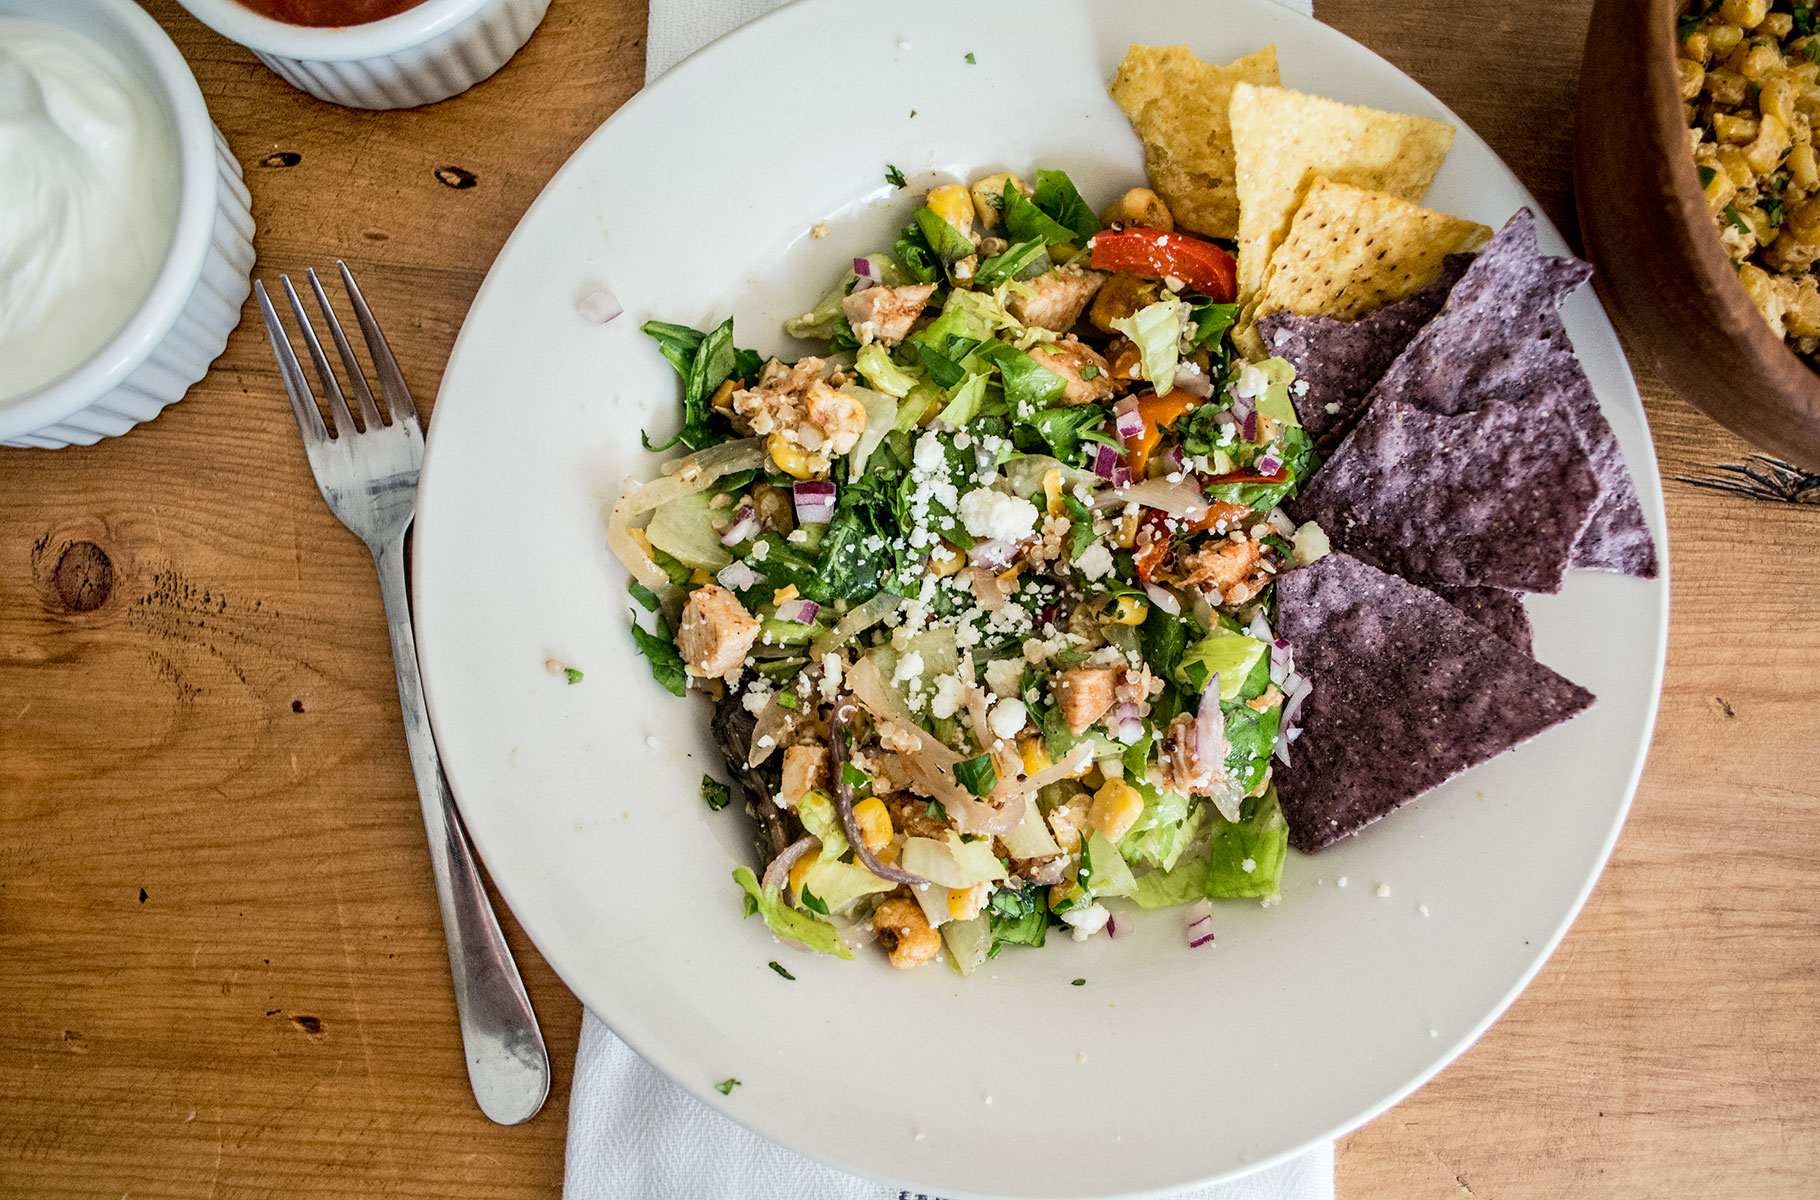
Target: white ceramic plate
[[1169, 1066]]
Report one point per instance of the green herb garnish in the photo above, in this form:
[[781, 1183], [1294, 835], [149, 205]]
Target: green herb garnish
[[1731, 214], [1706, 175], [814, 903], [895, 177], [572, 675], [935, 810], [976, 774], [717, 794], [1079, 983], [970, 58], [788, 700], [666, 663], [778, 967], [647, 599], [725, 1087], [853, 777]]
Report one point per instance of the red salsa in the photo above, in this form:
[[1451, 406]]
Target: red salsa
[[329, 13]]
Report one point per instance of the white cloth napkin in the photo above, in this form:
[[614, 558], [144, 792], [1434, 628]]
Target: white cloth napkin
[[635, 1135]]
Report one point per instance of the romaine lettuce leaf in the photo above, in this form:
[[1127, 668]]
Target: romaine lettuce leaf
[[1156, 330], [786, 922]]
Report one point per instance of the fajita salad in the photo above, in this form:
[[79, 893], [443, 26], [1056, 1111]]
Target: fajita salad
[[982, 592]]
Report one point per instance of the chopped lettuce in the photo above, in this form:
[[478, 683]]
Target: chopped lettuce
[[815, 809], [1245, 858], [1109, 875], [1028, 384], [1274, 401], [1156, 330], [881, 417], [840, 884], [819, 321], [964, 402], [1025, 221], [883, 374], [686, 529], [705, 361], [786, 922], [1231, 656], [1025, 260], [969, 943]]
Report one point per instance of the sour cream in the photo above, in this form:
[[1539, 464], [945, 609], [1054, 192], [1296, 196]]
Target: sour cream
[[88, 200]]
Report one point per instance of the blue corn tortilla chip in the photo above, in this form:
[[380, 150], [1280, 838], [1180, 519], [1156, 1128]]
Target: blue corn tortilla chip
[[1340, 361], [1499, 339], [1497, 609], [1494, 497], [1407, 693]]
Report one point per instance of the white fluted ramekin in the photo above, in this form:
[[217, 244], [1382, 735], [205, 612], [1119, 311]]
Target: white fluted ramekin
[[194, 302], [428, 53]]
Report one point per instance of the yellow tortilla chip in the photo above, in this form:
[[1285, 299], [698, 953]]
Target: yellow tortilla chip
[[1350, 251], [1177, 105], [1282, 139]]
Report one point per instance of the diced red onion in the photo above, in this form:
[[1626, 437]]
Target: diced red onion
[[1112, 926], [1107, 464], [1127, 425], [736, 576], [1282, 663], [867, 273], [745, 526], [1268, 464], [1299, 691], [993, 554], [1173, 463], [1193, 380], [1126, 723], [1250, 430], [1199, 916], [1164, 599], [599, 307], [1259, 627], [1243, 406], [802, 612], [814, 501]]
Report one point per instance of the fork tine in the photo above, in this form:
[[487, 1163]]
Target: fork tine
[[338, 404], [391, 379], [369, 411], [303, 404]]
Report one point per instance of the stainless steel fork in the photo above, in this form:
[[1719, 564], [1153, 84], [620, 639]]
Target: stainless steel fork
[[368, 475]]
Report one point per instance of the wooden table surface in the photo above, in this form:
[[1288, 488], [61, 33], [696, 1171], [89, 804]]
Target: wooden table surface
[[221, 971]]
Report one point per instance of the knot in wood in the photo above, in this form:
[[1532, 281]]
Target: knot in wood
[[83, 578]]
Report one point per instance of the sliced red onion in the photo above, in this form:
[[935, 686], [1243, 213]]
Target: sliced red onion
[[778, 873], [745, 526], [1127, 725], [1199, 916], [992, 554], [1193, 380], [1112, 926], [1210, 725], [843, 800], [1182, 498], [802, 612], [599, 307], [1249, 432], [736, 576], [1164, 599], [1268, 464], [814, 501], [1127, 425], [1173, 462], [1298, 694]]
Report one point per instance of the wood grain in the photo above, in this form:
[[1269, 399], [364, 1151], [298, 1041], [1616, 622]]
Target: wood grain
[[220, 968]]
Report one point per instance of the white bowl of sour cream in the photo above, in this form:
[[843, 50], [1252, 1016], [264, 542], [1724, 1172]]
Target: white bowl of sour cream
[[125, 232]]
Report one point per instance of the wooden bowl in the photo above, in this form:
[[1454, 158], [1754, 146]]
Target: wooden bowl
[[1660, 265]]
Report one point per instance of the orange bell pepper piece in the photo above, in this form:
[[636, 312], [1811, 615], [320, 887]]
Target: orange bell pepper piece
[[1158, 413]]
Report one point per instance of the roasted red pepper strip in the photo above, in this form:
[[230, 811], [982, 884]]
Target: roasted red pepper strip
[[1203, 266]]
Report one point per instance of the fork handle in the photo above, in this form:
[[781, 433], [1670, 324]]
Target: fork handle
[[508, 1065]]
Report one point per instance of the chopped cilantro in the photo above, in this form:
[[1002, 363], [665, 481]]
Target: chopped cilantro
[[1731, 214], [895, 177], [935, 810], [1080, 530], [1773, 209], [788, 700], [814, 903], [1089, 372], [976, 774], [717, 794], [1804, 20], [1078, 983], [572, 675], [1688, 25], [1706, 175], [778, 967], [666, 663], [853, 777], [1812, 51], [725, 1087], [970, 58]]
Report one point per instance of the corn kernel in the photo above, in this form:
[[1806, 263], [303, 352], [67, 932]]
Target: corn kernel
[[1804, 168], [989, 195], [1772, 139], [874, 822], [1009, 575], [1759, 61], [700, 576], [1063, 894], [1777, 25], [783, 595], [722, 399], [1127, 610], [951, 203], [1693, 76], [1126, 537], [790, 458], [1696, 48], [643, 539], [1115, 809], [945, 560], [1035, 755], [964, 904], [1052, 492], [800, 871], [1736, 130]]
